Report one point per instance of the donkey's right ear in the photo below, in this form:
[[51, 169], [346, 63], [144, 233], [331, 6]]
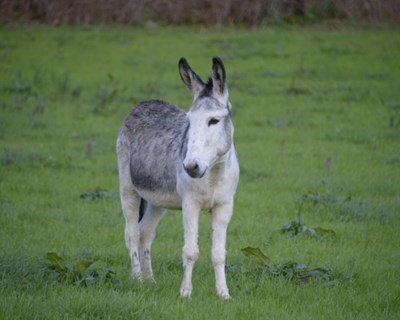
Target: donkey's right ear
[[190, 78]]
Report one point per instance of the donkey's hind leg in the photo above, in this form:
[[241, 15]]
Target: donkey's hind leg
[[130, 202], [148, 226]]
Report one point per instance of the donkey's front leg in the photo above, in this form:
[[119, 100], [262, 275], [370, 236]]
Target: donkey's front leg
[[190, 252], [221, 216]]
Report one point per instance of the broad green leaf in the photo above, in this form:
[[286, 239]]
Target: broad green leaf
[[86, 271], [57, 262], [256, 254]]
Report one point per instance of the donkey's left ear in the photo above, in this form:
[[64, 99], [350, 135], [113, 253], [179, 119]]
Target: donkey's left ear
[[218, 77]]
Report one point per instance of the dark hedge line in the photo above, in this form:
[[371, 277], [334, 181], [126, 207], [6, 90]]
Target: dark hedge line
[[207, 12]]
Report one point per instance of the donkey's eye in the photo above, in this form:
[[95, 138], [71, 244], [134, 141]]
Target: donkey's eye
[[213, 121]]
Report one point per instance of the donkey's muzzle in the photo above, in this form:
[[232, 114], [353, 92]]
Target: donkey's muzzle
[[194, 169]]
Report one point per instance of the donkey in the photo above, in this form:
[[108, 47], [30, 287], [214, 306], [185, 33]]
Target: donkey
[[176, 160]]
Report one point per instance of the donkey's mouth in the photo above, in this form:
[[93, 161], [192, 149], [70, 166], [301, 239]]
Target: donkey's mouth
[[194, 170]]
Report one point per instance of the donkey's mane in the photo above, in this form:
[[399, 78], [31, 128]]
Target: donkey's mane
[[207, 91]]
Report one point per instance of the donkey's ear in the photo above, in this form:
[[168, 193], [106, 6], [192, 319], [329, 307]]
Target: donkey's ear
[[218, 77], [190, 78]]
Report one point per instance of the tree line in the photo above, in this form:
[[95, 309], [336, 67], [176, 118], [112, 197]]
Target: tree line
[[204, 12]]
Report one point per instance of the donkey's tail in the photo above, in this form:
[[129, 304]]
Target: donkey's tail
[[142, 208]]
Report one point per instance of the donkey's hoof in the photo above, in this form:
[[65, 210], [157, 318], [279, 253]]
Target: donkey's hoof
[[148, 276], [136, 276], [149, 279], [186, 294], [223, 294], [186, 291]]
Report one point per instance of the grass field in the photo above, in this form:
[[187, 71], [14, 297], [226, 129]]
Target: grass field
[[317, 129]]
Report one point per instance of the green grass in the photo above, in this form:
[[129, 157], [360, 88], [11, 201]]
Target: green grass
[[315, 112]]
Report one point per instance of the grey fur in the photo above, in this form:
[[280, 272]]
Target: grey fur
[[158, 129], [156, 132]]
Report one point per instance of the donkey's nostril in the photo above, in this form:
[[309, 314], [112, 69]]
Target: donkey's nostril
[[193, 169]]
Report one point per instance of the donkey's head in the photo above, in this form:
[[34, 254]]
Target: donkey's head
[[210, 133]]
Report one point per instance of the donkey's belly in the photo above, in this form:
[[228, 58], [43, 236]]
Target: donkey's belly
[[155, 180], [157, 186], [161, 199]]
